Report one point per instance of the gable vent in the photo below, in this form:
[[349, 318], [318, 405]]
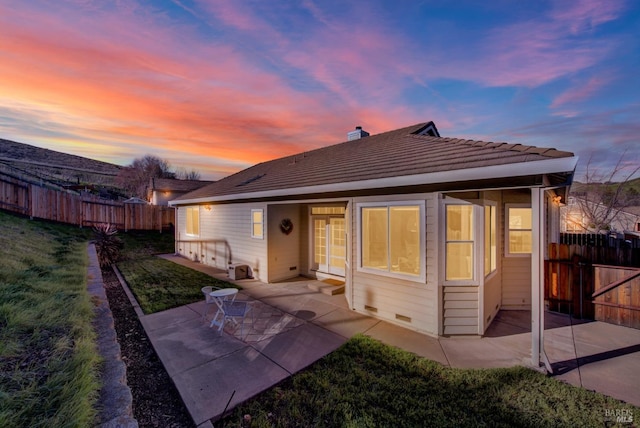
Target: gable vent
[[357, 134]]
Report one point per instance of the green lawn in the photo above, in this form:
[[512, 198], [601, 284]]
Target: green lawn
[[159, 284], [48, 359], [368, 384]]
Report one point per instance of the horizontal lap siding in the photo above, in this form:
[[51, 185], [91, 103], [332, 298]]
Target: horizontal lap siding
[[516, 283], [492, 298], [396, 300], [516, 271], [226, 230], [411, 304], [460, 310]]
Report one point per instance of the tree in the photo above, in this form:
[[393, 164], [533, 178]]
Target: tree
[[183, 174], [603, 196], [134, 179]]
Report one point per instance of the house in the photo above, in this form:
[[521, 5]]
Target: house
[[432, 233], [575, 217], [162, 190], [136, 200]]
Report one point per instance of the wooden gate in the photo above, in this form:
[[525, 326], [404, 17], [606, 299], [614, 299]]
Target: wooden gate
[[568, 283], [617, 295]]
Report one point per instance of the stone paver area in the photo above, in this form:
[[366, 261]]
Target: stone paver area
[[261, 323]]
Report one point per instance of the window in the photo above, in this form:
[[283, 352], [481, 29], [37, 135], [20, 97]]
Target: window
[[519, 235], [257, 224], [193, 220], [390, 238], [490, 233], [328, 210], [459, 243]]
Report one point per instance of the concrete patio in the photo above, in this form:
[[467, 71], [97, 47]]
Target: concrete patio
[[294, 326]]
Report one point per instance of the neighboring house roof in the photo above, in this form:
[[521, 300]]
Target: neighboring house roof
[[404, 158], [635, 210], [136, 200], [174, 185]]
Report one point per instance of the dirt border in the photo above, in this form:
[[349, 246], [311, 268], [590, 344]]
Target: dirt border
[[115, 399]]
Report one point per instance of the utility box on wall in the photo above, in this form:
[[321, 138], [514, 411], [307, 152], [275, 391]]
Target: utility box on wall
[[238, 271]]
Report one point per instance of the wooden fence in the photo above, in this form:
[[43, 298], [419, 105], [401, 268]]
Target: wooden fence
[[617, 295], [575, 283], [82, 210], [603, 249], [568, 282]]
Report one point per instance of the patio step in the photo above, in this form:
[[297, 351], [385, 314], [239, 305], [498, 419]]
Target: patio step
[[330, 287]]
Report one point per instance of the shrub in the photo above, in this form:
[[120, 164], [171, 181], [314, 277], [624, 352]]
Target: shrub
[[108, 245]]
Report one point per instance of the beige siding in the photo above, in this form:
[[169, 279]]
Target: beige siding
[[460, 310], [412, 304], [492, 298], [492, 287], [516, 270], [284, 250], [432, 208], [225, 232], [191, 250]]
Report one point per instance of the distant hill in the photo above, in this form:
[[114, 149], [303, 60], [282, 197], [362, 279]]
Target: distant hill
[[55, 168]]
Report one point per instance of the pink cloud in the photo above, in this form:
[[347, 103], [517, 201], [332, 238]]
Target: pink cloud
[[583, 15], [221, 106], [539, 50], [580, 92]]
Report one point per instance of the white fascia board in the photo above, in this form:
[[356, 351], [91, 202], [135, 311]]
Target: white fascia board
[[550, 166]]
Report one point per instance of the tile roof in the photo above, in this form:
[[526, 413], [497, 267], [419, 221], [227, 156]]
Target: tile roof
[[164, 184], [402, 152]]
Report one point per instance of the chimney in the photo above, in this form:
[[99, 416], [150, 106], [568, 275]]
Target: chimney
[[357, 134]]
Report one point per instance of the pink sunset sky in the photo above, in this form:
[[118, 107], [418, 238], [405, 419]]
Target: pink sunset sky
[[218, 86]]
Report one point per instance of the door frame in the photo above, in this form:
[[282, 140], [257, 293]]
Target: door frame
[[326, 269]]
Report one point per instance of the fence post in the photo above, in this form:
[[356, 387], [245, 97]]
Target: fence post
[[581, 265]]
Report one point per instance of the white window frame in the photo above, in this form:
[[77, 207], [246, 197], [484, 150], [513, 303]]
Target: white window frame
[[188, 213], [422, 276], [507, 253], [494, 205], [261, 223], [478, 237]]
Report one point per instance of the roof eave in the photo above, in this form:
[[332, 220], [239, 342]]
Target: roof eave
[[520, 169]]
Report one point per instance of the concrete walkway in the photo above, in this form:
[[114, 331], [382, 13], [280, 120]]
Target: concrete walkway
[[294, 326]]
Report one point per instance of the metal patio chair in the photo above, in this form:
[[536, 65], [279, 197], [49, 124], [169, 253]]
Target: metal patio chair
[[231, 311]]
